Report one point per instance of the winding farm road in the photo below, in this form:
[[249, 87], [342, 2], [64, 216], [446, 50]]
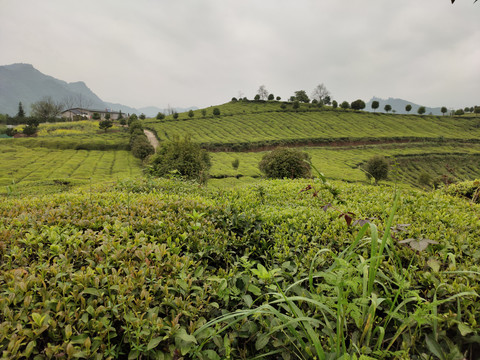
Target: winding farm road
[[152, 138]]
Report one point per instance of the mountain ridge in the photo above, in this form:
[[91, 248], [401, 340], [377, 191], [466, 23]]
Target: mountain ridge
[[21, 82], [398, 106]]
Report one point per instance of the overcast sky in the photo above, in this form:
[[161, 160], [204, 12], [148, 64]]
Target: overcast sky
[[204, 52]]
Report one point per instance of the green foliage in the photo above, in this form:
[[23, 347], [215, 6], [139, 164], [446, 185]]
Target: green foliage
[[421, 110], [285, 163], [377, 168], [302, 96], [271, 97], [358, 105], [141, 147], [216, 111], [138, 268], [45, 109], [142, 117], [387, 108], [408, 108], [135, 126], [182, 156], [11, 131], [191, 114], [175, 115], [21, 112], [160, 116], [375, 105], [345, 105], [334, 104], [459, 112], [235, 163], [444, 110], [30, 130], [425, 179], [105, 124], [465, 189], [132, 118], [96, 116]]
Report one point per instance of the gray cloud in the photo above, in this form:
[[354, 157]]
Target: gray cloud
[[193, 52]]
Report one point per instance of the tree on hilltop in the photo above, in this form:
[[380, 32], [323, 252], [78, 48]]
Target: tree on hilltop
[[321, 94], [443, 110], [375, 105], [262, 93], [408, 108], [358, 105], [301, 96], [388, 108], [421, 110], [345, 105]]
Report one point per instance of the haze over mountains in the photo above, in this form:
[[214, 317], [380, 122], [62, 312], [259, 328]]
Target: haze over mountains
[[23, 83]]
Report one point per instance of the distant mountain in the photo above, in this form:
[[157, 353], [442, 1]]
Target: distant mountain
[[398, 106], [23, 83]]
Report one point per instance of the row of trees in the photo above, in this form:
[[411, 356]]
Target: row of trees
[[322, 96]]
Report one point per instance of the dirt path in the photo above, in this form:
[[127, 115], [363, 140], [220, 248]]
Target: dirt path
[[152, 138]]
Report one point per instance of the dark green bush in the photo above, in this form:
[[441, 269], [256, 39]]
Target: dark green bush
[[377, 168], [134, 126], [182, 156], [141, 147], [285, 163]]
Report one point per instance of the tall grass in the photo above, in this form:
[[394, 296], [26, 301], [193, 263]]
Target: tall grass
[[357, 302]]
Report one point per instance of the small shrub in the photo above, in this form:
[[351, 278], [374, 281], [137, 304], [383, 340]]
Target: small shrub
[[11, 131], [235, 163], [183, 156], [175, 115], [135, 125], [141, 147], [216, 111], [96, 116], [30, 130], [160, 116], [191, 114], [424, 179], [285, 163], [377, 168], [105, 124]]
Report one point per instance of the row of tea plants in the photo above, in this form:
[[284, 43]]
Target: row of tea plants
[[164, 269]]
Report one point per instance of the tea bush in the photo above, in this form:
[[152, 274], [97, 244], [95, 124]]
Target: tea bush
[[156, 268], [285, 163], [182, 156]]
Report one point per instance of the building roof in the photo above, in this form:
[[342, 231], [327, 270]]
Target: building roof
[[80, 111]]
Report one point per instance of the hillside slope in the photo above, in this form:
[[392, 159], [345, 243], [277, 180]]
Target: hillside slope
[[247, 126]]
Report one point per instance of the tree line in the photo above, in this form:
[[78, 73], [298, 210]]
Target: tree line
[[321, 96]]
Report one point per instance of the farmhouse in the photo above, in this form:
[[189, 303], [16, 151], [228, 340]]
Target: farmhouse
[[88, 113]]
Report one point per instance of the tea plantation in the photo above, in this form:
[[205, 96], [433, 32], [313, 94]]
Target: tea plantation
[[99, 261], [139, 269]]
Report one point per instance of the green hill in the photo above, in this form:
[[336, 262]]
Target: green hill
[[339, 141]]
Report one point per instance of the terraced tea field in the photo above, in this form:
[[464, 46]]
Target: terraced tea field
[[61, 153], [253, 130]]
